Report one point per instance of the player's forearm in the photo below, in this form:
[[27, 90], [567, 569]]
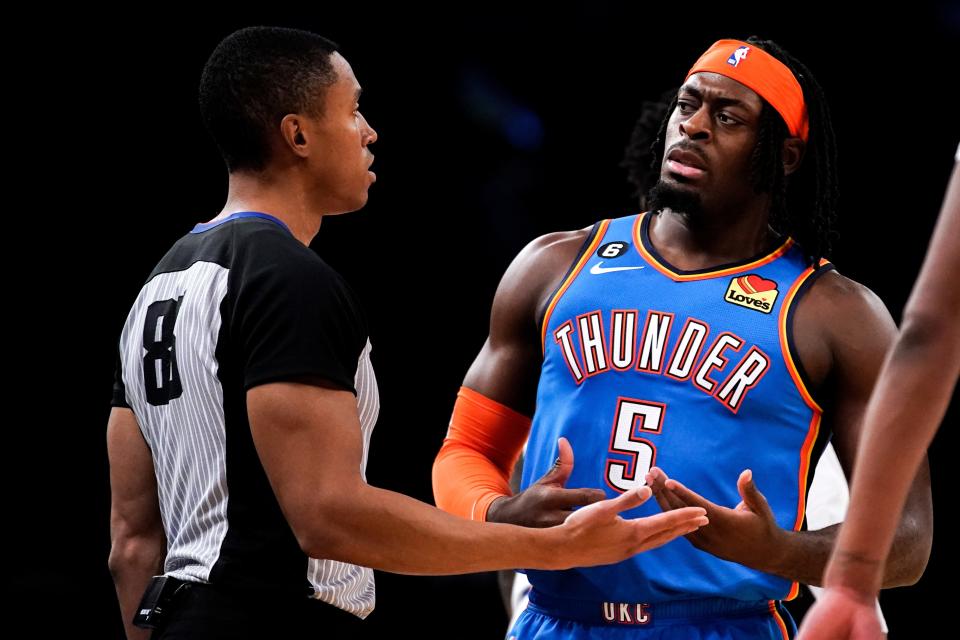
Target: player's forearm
[[389, 531], [798, 555], [804, 555], [133, 561], [466, 482]]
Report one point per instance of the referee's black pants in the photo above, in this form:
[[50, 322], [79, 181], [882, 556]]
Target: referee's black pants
[[215, 613]]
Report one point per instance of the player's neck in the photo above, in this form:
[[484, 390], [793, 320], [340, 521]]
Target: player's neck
[[705, 241]]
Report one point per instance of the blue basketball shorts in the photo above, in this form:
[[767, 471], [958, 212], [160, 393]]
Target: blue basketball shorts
[[706, 619]]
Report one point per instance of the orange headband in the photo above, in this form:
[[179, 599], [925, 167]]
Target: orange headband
[[768, 77]]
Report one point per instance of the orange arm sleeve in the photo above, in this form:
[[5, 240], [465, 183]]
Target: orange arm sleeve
[[483, 443]]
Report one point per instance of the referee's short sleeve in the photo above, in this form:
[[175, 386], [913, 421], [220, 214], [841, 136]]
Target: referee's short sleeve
[[294, 317]]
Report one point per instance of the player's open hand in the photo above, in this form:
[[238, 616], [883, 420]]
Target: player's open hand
[[546, 503], [747, 534]]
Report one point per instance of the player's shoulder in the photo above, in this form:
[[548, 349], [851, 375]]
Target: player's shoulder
[[836, 292], [557, 247], [538, 269], [845, 314]]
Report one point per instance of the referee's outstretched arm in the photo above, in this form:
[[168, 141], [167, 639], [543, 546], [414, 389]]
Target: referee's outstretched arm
[[309, 440]]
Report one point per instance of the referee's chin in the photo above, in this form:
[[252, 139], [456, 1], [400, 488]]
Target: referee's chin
[[349, 206]]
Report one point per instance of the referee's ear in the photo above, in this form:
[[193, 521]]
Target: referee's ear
[[295, 134]]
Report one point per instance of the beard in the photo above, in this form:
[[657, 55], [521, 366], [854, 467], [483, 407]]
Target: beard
[[668, 196]]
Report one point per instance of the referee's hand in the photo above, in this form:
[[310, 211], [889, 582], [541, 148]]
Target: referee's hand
[[596, 534]]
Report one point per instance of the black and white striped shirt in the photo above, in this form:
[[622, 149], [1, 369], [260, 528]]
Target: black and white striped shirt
[[235, 304]]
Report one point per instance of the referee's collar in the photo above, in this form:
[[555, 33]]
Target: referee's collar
[[204, 226]]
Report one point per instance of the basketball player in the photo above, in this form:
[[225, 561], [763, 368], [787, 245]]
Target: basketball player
[[911, 396], [244, 399], [707, 336], [828, 497]]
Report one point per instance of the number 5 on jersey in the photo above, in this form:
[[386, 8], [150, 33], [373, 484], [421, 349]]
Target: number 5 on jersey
[[633, 419]]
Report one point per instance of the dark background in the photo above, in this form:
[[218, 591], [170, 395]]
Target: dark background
[[496, 125]]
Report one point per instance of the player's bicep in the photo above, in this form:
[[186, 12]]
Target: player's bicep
[[134, 506], [508, 366], [861, 335], [506, 373]]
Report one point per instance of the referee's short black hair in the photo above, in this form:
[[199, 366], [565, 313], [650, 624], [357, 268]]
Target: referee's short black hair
[[255, 77]]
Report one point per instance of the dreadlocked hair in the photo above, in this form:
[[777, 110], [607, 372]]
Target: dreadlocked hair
[[803, 204], [640, 156]]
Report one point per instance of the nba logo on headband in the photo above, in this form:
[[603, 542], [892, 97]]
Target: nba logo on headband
[[768, 77], [737, 56]]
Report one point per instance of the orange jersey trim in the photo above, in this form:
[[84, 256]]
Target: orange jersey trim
[[784, 344], [779, 620], [716, 273], [601, 232], [805, 453], [794, 591], [813, 431]]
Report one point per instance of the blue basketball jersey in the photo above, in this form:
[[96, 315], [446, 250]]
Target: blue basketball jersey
[[694, 372]]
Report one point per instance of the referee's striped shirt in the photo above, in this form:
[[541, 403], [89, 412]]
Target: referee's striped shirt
[[235, 304]]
